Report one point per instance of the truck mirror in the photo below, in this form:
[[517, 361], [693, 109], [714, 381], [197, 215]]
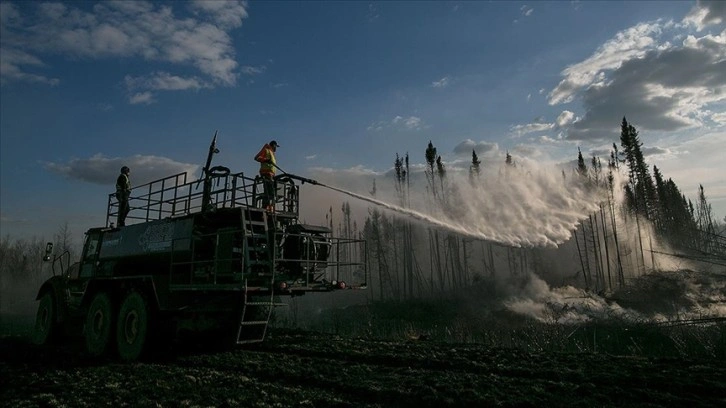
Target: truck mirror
[[48, 251]]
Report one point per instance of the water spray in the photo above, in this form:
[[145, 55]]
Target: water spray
[[530, 210], [406, 211]]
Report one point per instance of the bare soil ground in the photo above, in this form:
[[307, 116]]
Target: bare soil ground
[[309, 369]]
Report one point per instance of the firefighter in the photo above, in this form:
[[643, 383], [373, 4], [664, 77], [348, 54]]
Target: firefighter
[[266, 157], [123, 192]]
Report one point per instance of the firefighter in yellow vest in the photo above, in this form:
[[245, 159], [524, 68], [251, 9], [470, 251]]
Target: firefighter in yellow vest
[[266, 157]]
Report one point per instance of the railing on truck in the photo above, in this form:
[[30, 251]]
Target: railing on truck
[[345, 263], [175, 196]]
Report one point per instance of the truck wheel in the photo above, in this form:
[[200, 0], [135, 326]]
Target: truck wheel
[[46, 328], [132, 326], [99, 323]]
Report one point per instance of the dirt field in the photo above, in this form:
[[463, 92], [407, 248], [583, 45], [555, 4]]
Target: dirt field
[[307, 369]]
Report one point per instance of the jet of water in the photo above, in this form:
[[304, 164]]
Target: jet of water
[[521, 208]]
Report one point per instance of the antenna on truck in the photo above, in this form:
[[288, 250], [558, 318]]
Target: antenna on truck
[[208, 172]]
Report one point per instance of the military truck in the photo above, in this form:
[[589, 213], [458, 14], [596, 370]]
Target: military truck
[[200, 256]]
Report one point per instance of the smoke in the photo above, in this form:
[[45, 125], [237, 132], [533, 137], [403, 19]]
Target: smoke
[[551, 279], [565, 304], [656, 297]]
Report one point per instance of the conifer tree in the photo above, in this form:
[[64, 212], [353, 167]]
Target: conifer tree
[[441, 172], [582, 173], [663, 208], [430, 161], [642, 187], [612, 167], [474, 169], [435, 248], [640, 191], [400, 179], [581, 166], [704, 220]]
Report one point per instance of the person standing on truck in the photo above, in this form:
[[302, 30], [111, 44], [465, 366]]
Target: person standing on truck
[[123, 192], [266, 157]]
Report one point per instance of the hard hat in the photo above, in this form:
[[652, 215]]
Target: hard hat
[[125, 169], [274, 143]]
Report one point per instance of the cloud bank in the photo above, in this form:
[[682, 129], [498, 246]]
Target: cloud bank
[[657, 73], [99, 169], [197, 39]]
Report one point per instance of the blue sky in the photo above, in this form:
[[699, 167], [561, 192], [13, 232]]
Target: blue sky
[[344, 86]]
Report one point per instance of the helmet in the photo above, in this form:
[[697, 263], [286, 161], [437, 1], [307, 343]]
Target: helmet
[[125, 169], [274, 143]]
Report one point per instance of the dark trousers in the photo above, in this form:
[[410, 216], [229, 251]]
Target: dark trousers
[[268, 196], [123, 208]]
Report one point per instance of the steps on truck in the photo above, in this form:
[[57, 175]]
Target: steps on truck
[[255, 317]]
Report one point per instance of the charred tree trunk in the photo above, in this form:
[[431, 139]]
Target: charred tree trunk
[[607, 250], [582, 264]]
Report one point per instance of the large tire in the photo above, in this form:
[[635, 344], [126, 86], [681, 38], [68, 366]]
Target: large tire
[[46, 327], [99, 325], [132, 326]]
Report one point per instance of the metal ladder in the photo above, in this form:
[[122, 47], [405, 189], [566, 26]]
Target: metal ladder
[[259, 262], [257, 246], [254, 318]]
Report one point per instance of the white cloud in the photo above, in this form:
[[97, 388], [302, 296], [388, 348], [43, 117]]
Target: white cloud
[[565, 118], [655, 151], [142, 97], [311, 157], [226, 13], [695, 161], [526, 11], [520, 130], [250, 70], [12, 62], [9, 14], [99, 169], [481, 148], [527, 151], [706, 13], [163, 81], [411, 122], [719, 118], [372, 13], [123, 29], [377, 126], [629, 44], [674, 94], [548, 140], [358, 170], [441, 83], [408, 123], [658, 84]]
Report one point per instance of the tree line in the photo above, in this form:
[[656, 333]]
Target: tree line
[[22, 268], [623, 238]]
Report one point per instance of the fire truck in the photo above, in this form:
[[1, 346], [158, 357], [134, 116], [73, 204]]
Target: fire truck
[[201, 256]]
